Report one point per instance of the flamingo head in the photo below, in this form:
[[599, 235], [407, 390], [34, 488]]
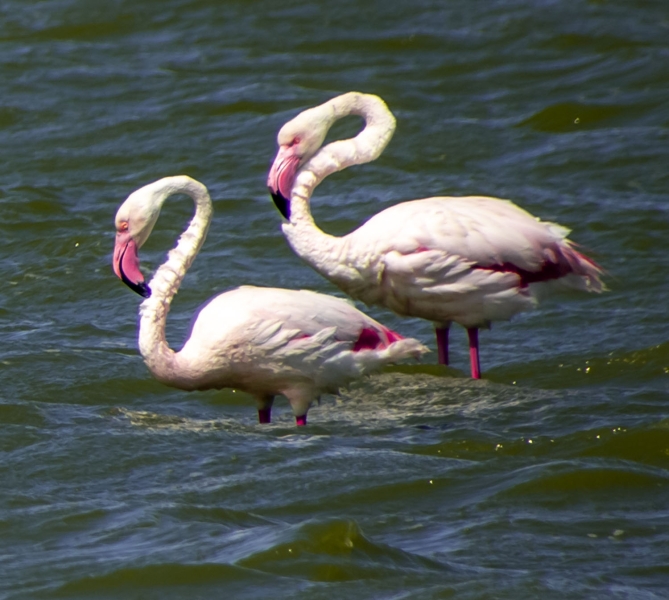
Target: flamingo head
[[134, 222], [299, 140]]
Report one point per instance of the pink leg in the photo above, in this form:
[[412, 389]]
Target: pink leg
[[265, 408], [301, 420], [442, 344], [473, 334]]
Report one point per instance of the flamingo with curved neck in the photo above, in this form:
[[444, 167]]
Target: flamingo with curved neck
[[264, 341], [469, 260]]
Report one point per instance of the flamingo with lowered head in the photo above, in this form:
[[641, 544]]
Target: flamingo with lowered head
[[264, 341], [469, 260]]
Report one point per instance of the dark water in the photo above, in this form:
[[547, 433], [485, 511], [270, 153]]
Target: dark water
[[548, 479]]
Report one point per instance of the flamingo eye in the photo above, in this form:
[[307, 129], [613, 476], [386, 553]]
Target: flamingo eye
[[123, 226], [295, 141]]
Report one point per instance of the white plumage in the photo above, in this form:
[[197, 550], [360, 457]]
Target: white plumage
[[469, 260], [264, 341]]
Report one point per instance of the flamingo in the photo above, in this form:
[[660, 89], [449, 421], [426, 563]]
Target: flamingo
[[264, 341], [469, 260]]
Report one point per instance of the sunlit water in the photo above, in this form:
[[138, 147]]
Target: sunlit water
[[548, 479]]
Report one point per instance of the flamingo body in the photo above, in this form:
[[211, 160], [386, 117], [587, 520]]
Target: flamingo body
[[268, 341], [264, 341], [469, 260]]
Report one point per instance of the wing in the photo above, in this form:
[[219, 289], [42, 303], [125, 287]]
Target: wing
[[255, 332], [470, 259], [481, 232], [270, 318], [476, 229]]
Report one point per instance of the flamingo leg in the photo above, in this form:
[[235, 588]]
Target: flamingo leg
[[473, 334], [442, 344], [300, 398], [265, 409]]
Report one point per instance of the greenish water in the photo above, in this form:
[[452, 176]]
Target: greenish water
[[548, 479]]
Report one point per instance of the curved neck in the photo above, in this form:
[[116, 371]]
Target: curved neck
[[364, 147], [367, 146], [162, 361]]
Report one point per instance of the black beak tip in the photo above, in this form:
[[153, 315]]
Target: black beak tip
[[140, 288], [281, 203], [143, 290]]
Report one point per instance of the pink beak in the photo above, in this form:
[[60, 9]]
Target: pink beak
[[126, 264], [281, 178]]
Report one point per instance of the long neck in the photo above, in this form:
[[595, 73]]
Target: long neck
[[325, 252], [162, 361]]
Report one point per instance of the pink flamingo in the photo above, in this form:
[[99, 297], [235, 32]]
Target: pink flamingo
[[264, 341], [469, 260]]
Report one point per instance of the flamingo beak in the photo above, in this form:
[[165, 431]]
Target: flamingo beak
[[281, 178], [126, 264]]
